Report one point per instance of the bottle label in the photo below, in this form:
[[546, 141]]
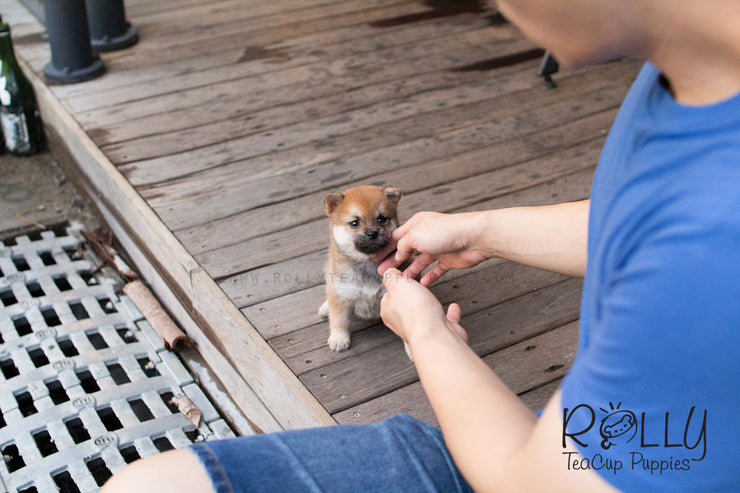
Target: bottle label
[[15, 131]]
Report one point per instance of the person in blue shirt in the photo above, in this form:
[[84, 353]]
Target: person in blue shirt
[[652, 400]]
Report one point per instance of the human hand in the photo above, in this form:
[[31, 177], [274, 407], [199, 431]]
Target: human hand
[[447, 239], [412, 311]]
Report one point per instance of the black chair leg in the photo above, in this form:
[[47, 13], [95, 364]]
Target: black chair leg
[[548, 67]]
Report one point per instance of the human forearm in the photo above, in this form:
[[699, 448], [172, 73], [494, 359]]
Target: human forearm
[[482, 420], [552, 237], [495, 440]]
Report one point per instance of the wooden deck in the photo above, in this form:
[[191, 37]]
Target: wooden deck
[[211, 143]]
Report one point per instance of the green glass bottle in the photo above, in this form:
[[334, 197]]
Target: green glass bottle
[[19, 115]]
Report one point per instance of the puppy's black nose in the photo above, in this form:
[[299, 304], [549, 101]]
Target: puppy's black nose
[[372, 234]]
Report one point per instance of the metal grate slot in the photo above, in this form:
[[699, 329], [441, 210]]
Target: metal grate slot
[[162, 444], [38, 358], [96, 340], [126, 334], [44, 443], [9, 369], [77, 430], [34, 289], [12, 457], [72, 252], [32, 489], [141, 410], [2, 420], [20, 263], [25, 404], [62, 283], [56, 392], [7, 297], [149, 368], [46, 257], [129, 454], [65, 483], [87, 382], [109, 419], [107, 305], [78, 310], [50, 316], [87, 277], [167, 399], [22, 327], [118, 374], [67, 347], [99, 470]]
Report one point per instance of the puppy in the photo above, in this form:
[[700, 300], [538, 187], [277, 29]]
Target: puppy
[[361, 221]]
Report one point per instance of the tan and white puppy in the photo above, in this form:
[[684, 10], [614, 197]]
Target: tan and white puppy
[[361, 221]]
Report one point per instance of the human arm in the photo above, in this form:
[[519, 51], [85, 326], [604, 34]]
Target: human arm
[[551, 237], [498, 444]]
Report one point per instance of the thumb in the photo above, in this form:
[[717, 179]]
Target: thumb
[[454, 313], [391, 277]]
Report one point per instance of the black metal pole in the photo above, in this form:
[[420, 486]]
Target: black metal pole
[[72, 59], [548, 67], [109, 29]]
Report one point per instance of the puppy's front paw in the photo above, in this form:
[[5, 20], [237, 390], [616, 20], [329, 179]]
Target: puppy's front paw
[[324, 309], [339, 340]]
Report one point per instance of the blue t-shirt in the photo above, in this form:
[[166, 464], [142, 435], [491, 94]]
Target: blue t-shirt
[[653, 399]]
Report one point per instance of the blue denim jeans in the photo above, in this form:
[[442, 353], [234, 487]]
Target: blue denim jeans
[[400, 454]]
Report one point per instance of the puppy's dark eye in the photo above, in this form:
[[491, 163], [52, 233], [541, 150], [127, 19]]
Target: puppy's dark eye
[[382, 219], [354, 223]]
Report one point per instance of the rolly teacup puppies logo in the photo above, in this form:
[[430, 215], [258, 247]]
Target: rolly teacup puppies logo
[[652, 443], [619, 426]]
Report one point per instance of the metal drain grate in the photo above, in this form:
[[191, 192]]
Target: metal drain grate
[[85, 383]]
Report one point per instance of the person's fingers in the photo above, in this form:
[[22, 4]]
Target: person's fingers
[[404, 249], [434, 274], [454, 313], [401, 231], [391, 278], [420, 263], [388, 263]]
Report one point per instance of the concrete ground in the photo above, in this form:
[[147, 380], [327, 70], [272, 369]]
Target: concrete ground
[[35, 194]]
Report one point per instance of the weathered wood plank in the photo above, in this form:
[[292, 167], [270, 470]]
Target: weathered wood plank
[[249, 108], [532, 368], [349, 28], [181, 164], [411, 171], [306, 271], [193, 200], [250, 66], [304, 305], [474, 292], [220, 25], [312, 236], [378, 371], [297, 125]]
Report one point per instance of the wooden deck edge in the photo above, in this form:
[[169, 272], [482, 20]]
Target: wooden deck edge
[[257, 379]]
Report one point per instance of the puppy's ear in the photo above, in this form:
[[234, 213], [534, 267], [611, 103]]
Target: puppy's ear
[[331, 201], [393, 194]]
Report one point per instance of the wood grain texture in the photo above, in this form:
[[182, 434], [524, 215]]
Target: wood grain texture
[[532, 368]]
